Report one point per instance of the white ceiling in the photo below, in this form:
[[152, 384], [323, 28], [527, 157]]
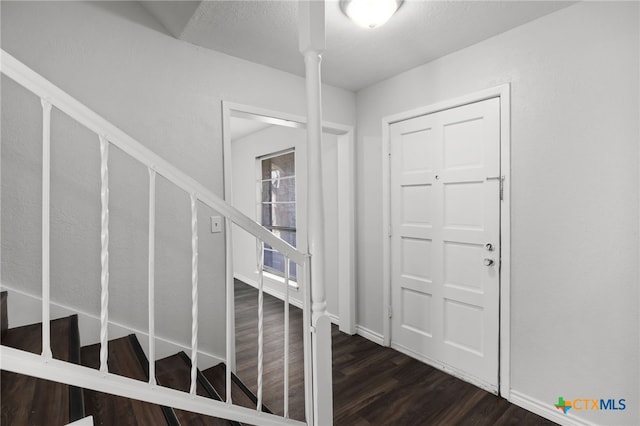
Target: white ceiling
[[265, 32]]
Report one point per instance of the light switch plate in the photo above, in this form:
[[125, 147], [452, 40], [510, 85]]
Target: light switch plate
[[216, 224]]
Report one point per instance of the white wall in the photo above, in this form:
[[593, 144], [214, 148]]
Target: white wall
[[120, 62], [574, 77], [244, 152]]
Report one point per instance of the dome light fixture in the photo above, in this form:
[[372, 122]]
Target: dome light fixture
[[370, 13]]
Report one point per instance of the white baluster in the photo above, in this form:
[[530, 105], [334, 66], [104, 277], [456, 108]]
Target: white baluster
[[152, 275], [46, 230], [230, 309], [194, 293], [303, 282], [104, 253], [287, 265], [260, 250]]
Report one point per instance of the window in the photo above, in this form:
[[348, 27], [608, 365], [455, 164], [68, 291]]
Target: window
[[277, 192]]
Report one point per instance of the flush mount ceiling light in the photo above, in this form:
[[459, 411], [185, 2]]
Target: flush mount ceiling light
[[370, 13]]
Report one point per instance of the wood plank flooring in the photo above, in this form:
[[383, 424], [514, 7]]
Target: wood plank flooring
[[246, 298], [372, 384]]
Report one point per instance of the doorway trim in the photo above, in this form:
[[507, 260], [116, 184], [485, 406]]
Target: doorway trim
[[502, 92], [346, 194]]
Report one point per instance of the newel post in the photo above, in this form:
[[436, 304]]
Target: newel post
[[312, 44]]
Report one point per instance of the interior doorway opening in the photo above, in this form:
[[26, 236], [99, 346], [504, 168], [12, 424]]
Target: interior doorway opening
[[251, 134]]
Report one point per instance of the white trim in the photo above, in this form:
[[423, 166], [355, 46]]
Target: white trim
[[269, 290], [346, 191], [502, 92], [24, 309], [547, 410], [504, 385], [293, 284], [370, 335], [85, 421], [22, 362], [346, 165], [280, 295]]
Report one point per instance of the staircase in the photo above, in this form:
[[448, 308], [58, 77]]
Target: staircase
[[28, 400], [51, 351]]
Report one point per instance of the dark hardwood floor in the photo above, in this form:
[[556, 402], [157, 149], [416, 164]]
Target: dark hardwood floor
[[372, 384]]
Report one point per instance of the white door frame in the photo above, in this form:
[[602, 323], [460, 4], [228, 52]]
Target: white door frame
[[346, 194], [502, 92]]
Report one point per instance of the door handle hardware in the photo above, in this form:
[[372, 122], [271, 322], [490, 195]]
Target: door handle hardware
[[488, 262], [501, 179], [488, 246]]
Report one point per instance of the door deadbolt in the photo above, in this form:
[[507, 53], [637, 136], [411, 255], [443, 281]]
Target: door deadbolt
[[488, 262], [488, 246]]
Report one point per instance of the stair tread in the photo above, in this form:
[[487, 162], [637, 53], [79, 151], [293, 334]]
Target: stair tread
[[173, 372], [29, 400], [108, 409], [217, 376]]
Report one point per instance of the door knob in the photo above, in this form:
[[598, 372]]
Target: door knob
[[488, 262], [488, 246]]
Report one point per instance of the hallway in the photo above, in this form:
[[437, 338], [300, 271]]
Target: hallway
[[372, 384]]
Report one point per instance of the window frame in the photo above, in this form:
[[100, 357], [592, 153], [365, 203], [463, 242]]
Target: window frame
[[271, 272]]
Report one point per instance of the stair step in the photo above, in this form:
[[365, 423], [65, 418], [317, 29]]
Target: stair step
[[109, 409], [29, 400], [240, 393], [175, 372], [4, 316]]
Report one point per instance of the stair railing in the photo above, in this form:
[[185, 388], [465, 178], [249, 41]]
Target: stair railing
[[46, 367]]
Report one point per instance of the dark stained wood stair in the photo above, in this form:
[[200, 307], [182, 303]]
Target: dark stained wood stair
[[240, 393], [107, 409], [31, 401], [4, 317], [28, 400], [175, 372]]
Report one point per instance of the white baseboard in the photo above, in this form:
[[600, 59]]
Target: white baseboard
[[269, 290], [369, 335], [279, 295], [24, 308], [546, 410]]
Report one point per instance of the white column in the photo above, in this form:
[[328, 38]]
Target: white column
[[312, 44]]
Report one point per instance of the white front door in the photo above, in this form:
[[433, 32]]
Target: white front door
[[445, 240]]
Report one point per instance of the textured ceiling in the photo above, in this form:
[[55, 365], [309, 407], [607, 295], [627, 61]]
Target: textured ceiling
[[266, 32]]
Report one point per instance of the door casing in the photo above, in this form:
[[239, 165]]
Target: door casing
[[503, 93], [346, 200]]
